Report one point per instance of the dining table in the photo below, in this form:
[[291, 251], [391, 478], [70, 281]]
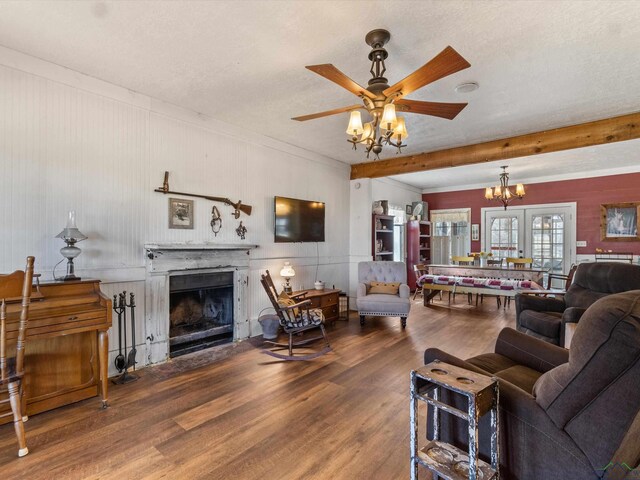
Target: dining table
[[489, 271]]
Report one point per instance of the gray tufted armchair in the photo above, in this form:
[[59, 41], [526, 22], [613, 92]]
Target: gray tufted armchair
[[382, 305]]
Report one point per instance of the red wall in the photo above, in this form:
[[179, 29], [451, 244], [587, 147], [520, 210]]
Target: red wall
[[589, 193]]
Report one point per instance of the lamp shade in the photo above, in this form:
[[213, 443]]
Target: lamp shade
[[287, 271], [488, 193], [355, 124], [520, 190], [400, 132], [389, 120], [71, 232]]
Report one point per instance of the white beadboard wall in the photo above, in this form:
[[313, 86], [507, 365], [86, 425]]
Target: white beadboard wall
[[68, 141]]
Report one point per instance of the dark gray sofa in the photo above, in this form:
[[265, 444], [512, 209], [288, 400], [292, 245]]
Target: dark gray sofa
[[564, 414], [545, 317]]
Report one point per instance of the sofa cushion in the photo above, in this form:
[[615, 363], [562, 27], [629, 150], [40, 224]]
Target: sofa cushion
[[600, 380], [545, 324], [491, 362], [521, 376], [382, 303]]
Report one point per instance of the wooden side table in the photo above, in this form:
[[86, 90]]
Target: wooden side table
[[326, 300], [442, 459]]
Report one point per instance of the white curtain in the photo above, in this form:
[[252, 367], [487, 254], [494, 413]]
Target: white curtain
[[450, 216]]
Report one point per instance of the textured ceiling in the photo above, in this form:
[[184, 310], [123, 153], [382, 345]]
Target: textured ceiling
[[539, 64]]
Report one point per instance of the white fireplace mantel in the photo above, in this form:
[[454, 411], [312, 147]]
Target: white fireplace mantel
[[199, 246], [168, 257]]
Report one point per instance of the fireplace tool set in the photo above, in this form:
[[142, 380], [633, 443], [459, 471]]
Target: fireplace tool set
[[124, 362]]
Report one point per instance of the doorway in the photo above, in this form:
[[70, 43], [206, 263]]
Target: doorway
[[545, 233]]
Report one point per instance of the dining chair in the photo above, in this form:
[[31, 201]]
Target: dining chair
[[567, 279], [15, 287], [460, 260], [419, 270], [520, 262]]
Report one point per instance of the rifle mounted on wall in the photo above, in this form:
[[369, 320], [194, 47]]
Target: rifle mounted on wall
[[238, 206]]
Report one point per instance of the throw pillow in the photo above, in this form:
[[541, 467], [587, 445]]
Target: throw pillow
[[391, 288], [284, 300]]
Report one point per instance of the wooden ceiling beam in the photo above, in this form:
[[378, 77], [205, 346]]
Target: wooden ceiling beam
[[609, 130]]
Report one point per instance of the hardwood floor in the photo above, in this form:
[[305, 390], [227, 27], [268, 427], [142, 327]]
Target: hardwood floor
[[341, 416]]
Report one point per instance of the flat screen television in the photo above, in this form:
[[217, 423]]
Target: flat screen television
[[298, 220]]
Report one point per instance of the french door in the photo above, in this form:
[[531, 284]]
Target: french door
[[545, 233]]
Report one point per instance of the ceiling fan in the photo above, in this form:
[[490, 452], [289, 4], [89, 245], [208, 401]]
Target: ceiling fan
[[382, 101]]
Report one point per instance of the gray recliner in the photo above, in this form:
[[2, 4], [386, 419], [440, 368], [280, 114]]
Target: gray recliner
[[564, 414], [378, 304], [547, 318]]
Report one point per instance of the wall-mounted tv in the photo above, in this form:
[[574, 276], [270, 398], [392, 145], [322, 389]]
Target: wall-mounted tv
[[298, 220]]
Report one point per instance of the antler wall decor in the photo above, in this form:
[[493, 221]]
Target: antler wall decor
[[238, 207]]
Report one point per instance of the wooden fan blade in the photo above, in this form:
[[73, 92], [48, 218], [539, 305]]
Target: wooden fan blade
[[327, 113], [445, 63], [330, 72], [435, 109]]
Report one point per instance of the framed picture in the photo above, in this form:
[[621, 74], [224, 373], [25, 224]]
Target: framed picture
[[475, 232], [620, 222], [180, 213], [408, 210]]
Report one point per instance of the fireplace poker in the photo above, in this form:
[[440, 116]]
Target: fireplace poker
[[131, 358]]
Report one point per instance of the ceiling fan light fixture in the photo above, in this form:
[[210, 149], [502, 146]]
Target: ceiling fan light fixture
[[389, 120], [355, 127], [380, 100]]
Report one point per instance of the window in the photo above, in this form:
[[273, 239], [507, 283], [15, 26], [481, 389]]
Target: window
[[547, 241], [504, 237], [398, 232], [451, 234]]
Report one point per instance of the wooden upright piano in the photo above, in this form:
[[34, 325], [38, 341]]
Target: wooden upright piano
[[67, 345]]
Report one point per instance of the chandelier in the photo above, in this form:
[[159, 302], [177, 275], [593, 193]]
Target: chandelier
[[381, 101], [502, 193]]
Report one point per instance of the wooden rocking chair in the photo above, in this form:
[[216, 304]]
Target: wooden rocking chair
[[295, 317]]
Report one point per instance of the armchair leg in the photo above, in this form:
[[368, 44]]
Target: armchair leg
[[14, 399], [362, 320], [290, 344], [403, 322]]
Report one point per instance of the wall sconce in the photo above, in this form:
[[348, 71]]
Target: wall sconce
[[287, 273], [71, 235]]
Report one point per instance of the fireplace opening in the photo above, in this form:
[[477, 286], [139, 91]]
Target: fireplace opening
[[200, 311]]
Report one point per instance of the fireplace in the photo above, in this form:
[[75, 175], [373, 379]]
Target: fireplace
[[200, 311], [195, 297]]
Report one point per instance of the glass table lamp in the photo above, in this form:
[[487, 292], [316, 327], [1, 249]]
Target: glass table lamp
[[71, 235], [287, 273]]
